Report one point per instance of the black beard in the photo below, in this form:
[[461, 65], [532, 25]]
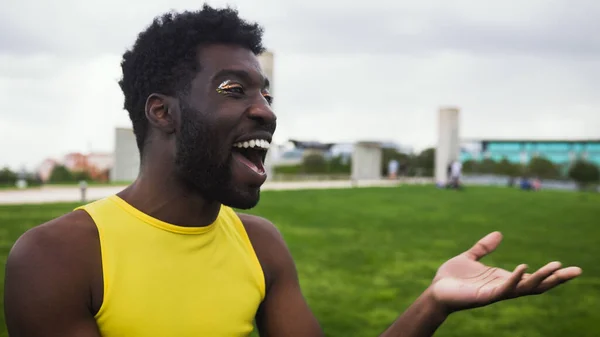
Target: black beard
[[199, 158], [202, 165]]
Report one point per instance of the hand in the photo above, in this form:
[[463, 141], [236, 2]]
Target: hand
[[463, 282]]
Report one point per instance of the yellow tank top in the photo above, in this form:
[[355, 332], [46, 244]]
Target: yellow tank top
[[163, 280]]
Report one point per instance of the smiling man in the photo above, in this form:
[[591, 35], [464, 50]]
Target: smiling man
[[168, 256]]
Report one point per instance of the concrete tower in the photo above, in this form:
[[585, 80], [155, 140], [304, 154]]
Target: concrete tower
[[267, 61], [448, 144]]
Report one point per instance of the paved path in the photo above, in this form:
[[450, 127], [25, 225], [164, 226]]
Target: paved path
[[50, 194]]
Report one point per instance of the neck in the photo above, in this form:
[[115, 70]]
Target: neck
[[159, 193]]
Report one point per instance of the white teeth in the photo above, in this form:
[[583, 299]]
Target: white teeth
[[253, 143]]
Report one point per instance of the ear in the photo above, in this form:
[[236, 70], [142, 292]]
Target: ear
[[160, 112]]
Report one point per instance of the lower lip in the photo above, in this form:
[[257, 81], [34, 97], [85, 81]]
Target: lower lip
[[252, 171]]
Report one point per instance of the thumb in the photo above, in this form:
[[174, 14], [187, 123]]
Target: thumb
[[485, 246]]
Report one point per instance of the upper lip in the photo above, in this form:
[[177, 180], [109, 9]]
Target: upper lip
[[255, 135]]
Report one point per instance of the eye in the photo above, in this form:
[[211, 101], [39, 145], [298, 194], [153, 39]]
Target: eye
[[268, 97], [229, 87]]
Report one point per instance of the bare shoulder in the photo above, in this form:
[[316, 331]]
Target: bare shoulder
[[48, 278], [284, 311], [261, 229], [62, 251], [269, 246], [61, 238], [265, 237]]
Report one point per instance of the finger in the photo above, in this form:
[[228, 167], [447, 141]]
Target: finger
[[558, 277], [532, 282], [484, 246], [508, 288]]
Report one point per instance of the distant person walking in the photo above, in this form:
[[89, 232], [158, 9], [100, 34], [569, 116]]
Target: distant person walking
[[455, 174], [393, 169]]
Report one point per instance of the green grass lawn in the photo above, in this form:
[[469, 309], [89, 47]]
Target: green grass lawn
[[365, 254]]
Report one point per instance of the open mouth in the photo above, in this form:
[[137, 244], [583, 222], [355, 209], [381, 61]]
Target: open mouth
[[252, 153]]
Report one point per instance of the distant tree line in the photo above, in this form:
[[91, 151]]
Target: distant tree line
[[583, 172], [60, 175], [8, 178], [422, 164]]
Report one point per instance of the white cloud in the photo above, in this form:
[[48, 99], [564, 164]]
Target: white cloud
[[344, 70]]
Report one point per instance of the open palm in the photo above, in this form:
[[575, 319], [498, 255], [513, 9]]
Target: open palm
[[463, 282]]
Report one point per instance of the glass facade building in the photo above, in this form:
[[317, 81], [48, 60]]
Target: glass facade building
[[521, 151]]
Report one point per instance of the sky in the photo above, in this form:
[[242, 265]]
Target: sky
[[344, 71]]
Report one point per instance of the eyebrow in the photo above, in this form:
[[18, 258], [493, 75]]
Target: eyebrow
[[243, 75]]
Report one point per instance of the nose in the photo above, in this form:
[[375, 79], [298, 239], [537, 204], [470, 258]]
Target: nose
[[262, 112]]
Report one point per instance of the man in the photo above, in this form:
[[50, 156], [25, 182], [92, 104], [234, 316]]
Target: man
[[455, 173], [393, 169], [167, 256]]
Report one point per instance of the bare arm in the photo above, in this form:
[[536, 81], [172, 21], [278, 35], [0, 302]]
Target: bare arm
[[47, 289], [421, 319], [284, 312]]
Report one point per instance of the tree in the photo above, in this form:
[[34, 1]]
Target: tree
[[543, 168], [339, 164], [470, 166], [34, 179], [7, 177], [487, 166], [506, 168], [426, 162], [584, 173], [314, 163], [61, 174], [81, 175]]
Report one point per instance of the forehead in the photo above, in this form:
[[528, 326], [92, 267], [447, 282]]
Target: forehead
[[215, 58]]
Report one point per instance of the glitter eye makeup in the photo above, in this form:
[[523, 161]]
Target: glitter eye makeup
[[228, 87]]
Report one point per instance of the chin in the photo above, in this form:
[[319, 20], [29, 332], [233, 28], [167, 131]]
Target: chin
[[240, 202], [241, 197]]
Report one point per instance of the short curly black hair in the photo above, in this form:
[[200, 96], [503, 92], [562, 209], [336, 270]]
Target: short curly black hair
[[164, 56]]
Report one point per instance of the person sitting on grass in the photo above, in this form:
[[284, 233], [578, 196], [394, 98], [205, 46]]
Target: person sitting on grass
[[168, 255]]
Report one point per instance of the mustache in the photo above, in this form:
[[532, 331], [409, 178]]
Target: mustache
[[265, 128]]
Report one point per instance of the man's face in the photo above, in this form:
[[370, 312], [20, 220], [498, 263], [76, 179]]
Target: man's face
[[226, 126]]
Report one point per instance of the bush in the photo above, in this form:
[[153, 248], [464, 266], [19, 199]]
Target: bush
[[509, 169], [314, 163], [584, 173], [470, 166], [81, 175], [61, 174], [288, 169], [543, 169], [339, 165], [487, 166], [426, 160], [7, 177]]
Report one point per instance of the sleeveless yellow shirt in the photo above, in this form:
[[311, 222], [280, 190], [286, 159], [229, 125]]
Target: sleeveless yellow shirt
[[163, 280]]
